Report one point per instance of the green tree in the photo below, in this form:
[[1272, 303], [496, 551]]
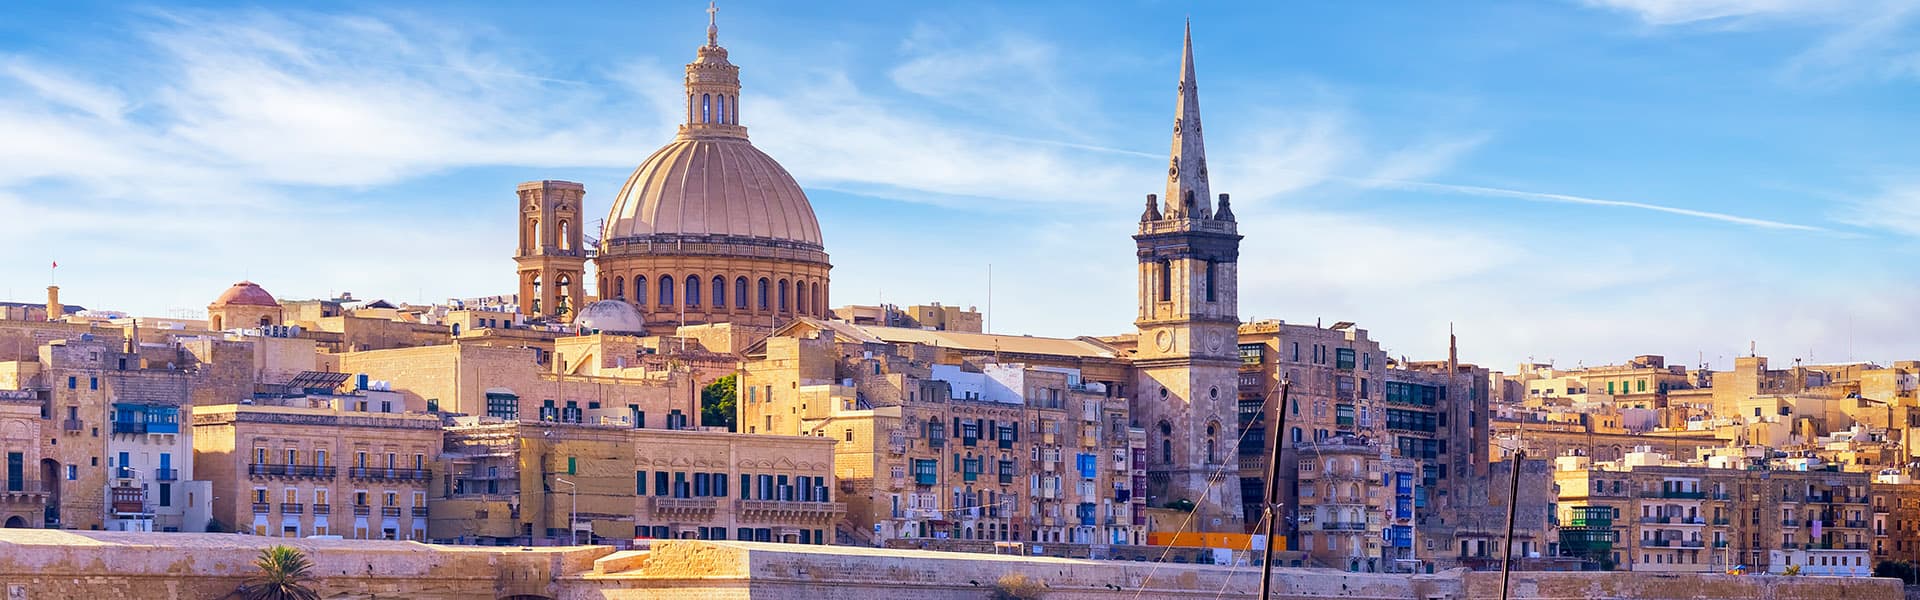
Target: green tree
[[717, 402], [284, 574]]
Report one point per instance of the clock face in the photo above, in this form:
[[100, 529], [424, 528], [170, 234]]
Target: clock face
[[1164, 340]]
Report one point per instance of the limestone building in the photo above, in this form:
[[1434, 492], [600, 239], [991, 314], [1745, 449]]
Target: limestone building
[[958, 437], [294, 467], [1357, 505], [709, 229], [1733, 507], [551, 257], [524, 482], [1185, 367]]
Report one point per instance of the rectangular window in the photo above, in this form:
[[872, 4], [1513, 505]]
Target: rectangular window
[[639, 483], [926, 472], [570, 465], [1343, 358], [661, 487]]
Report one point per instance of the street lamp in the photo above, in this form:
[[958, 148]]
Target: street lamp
[[573, 512]]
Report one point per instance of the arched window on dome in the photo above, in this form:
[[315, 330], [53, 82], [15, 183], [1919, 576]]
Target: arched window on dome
[[640, 291], [783, 295], [819, 300], [722, 112], [706, 108], [800, 297], [620, 287], [734, 106], [666, 290], [719, 292], [766, 288], [740, 293], [693, 291]]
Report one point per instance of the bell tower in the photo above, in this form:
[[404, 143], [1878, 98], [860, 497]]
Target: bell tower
[[550, 257], [1186, 366]]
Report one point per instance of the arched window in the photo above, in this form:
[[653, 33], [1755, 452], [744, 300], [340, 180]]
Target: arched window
[[1212, 269], [735, 117], [723, 108], [819, 301], [620, 287], [1166, 281], [666, 290], [783, 295], [640, 291], [536, 293], [565, 243], [800, 297], [765, 289], [693, 291], [565, 284], [706, 108], [265, 321], [1211, 429], [533, 235], [740, 293], [1166, 443], [456, 329], [719, 292]]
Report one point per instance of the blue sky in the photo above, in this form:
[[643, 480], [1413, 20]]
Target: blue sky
[[1568, 181]]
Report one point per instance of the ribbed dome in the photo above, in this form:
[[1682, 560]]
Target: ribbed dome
[[712, 186], [245, 293], [609, 316]]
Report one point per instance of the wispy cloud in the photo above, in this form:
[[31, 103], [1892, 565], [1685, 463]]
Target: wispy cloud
[[1862, 40], [1571, 199], [1895, 208]]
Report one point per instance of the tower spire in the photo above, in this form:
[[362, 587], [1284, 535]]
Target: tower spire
[[713, 88], [1187, 193], [713, 27]]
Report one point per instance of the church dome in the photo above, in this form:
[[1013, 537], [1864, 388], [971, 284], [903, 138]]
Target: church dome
[[711, 187], [610, 316], [245, 293]]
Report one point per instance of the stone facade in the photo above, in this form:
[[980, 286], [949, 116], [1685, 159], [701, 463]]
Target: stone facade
[[508, 383], [294, 471], [1672, 516], [522, 483], [933, 444], [43, 565], [1185, 370], [551, 257]]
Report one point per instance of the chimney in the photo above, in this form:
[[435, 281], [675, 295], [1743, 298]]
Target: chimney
[[55, 311]]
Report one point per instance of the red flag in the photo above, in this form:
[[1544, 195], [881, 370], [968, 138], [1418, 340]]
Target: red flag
[[56, 264]]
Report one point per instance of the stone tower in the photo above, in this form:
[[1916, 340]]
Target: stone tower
[[1185, 382], [551, 257]]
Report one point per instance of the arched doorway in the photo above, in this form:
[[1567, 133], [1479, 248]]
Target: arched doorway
[[50, 476], [15, 522]]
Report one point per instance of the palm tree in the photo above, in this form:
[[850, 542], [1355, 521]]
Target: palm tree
[[284, 573]]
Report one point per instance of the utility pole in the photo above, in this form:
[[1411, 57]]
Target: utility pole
[[1513, 502], [573, 512], [1273, 489]]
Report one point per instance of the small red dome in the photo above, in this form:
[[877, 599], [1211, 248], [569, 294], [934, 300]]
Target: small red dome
[[245, 293]]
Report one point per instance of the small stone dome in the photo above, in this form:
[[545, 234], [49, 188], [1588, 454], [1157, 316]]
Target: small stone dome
[[610, 316], [245, 293]]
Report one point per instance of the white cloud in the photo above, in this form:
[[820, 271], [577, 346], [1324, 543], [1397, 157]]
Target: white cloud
[[1862, 40], [1895, 208], [1675, 12], [1005, 74]]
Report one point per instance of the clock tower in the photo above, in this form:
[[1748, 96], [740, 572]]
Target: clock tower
[[1186, 365]]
